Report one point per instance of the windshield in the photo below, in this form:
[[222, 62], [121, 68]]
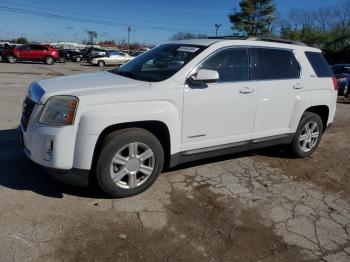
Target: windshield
[[159, 63]]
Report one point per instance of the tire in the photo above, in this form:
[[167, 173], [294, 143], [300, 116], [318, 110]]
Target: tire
[[101, 63], [49, 60], [11, 59], [346, 91], [78, 59], [304, 142], [62, 60], [132, 173], [342, 91]]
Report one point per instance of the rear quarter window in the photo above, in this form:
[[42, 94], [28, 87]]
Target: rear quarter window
[[319, 64]]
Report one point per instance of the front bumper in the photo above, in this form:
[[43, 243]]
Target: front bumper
[[60, 163], [48, 146], [57, 147]]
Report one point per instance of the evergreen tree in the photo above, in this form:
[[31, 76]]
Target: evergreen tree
[[255, 18]]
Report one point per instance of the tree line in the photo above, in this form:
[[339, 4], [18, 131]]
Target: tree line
[[325, 27]]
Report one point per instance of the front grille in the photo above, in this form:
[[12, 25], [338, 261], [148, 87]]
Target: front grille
[[28, 107]]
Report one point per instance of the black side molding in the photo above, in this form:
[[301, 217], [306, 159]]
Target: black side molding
[[227, 149]]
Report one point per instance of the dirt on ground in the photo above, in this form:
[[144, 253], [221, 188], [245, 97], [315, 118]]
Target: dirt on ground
[[329, 166], [204, 227]]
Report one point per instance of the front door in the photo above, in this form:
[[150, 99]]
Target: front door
[[24, 52], [223, 112]]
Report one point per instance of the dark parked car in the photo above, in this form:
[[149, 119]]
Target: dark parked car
[[135, 53], [1, 47], [342, 73], [70, 55], [31, 52], [92, 53]]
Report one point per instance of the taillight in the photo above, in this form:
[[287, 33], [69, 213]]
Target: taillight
[[335, 83]]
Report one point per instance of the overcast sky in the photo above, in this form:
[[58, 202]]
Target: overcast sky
[[151, 21]]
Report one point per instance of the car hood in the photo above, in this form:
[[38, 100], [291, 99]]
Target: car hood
[[86, 84]]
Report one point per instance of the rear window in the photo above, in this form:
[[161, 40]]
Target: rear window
[[275, 64], [319, 64]]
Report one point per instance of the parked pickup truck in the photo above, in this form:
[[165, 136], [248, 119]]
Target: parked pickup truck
[[179, 102]]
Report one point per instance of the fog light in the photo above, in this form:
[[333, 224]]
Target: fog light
[[49, 150]]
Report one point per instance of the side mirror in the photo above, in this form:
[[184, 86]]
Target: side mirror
[[204, 76]]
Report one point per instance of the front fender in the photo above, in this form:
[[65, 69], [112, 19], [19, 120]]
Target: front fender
[[95, 119]]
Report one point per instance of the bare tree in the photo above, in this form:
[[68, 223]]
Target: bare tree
[[92, 35], [343, 17], [323, 17]]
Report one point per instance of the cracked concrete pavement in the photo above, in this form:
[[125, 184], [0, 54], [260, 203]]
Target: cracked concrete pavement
[[256, 206]]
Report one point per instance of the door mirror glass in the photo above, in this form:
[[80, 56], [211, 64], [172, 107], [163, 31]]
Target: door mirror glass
[[205, 76]]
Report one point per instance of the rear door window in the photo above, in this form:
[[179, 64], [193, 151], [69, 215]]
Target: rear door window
[[274, 64], [319, 64]]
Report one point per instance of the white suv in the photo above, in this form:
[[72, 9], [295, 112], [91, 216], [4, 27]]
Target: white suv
[[179, 102]]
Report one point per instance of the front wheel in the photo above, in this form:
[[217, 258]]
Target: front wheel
[[308, 135], [130, 161], [11, 59], [62, 60]]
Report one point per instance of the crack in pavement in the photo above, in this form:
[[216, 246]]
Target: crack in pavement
[[316, 221]]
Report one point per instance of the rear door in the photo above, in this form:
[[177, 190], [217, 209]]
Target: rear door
[[279, 81]]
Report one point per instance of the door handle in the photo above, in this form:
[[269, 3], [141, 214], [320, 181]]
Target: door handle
[[246, 90], [298, 86]]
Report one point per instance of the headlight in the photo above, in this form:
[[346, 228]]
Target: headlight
[[59, 111]]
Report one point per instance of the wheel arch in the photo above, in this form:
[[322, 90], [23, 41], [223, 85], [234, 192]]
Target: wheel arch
[[158, 128], [322, 111]]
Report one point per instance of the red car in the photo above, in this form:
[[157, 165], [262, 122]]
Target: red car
[[31, 52]]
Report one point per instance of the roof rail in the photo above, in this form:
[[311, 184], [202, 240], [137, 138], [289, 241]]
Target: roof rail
[[261, 38], [229, 37], [276, 40]]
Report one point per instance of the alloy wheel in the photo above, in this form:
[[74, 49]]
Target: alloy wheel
[[49, 60], [11, 59], [132, 165], [309, 136]]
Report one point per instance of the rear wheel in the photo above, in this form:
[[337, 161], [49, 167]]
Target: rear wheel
[[11, 59], [308, 135], [101, 63], [49, 60], [130, 161]]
